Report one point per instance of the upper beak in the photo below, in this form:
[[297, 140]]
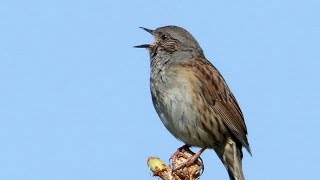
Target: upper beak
[[145, 45], [148, 30]]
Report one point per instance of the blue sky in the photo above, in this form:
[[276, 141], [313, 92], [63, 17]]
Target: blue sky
[[75, 101]]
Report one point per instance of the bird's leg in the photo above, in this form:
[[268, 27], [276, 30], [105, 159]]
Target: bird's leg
[[191, 159]]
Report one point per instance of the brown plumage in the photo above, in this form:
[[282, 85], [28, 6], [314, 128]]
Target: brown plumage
[[193, 100]]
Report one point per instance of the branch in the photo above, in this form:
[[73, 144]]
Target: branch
[[160, 169]]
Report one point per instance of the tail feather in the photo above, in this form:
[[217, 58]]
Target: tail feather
[[231, 157]]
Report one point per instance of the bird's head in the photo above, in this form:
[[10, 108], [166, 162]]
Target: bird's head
[[173, 41]]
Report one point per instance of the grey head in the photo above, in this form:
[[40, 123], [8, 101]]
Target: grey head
[[172, 41]]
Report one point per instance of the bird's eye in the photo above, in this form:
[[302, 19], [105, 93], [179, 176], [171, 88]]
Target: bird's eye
[[163, 37]]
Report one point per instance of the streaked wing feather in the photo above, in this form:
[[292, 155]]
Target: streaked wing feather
[[218, 95]]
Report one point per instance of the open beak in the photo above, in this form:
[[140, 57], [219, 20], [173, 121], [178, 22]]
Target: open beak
[[145, 45]]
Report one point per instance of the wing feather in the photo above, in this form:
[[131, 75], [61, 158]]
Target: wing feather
[[218, 95]]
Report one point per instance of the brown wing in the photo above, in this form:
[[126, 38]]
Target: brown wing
[[218, 95]]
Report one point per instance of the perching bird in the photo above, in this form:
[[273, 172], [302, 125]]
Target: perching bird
[[193, 100]]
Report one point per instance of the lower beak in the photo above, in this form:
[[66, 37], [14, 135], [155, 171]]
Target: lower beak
[[143, 46]]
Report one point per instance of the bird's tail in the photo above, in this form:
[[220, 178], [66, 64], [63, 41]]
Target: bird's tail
[[231, 157]]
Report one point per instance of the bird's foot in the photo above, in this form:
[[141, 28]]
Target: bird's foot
[[184, 157], [179, 150]]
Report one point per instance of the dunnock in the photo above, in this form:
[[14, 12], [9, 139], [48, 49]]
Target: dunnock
[[193, 100]]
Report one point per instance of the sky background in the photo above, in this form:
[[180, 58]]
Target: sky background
[[74, 94]]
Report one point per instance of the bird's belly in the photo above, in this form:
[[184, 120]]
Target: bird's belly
[[183, 115]]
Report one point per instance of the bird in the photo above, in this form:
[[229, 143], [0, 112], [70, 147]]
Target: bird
[[193, 99]]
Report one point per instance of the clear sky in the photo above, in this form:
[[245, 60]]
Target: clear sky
[[74, 94]]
